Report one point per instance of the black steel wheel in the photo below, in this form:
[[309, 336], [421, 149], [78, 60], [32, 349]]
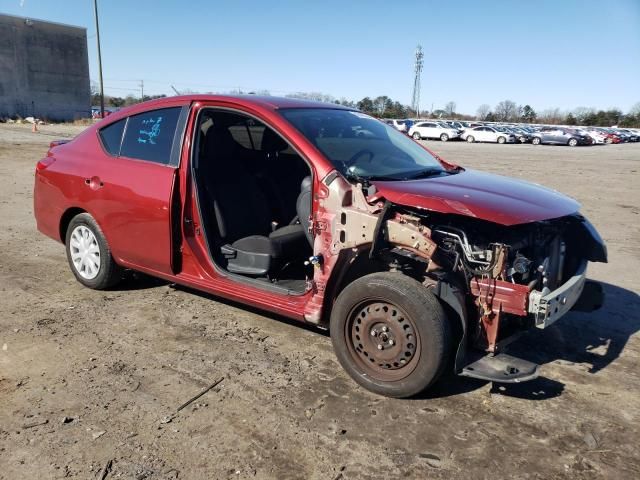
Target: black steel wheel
[[390, 333]]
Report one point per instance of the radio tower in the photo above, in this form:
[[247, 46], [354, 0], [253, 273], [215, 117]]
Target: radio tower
[[415, 99]]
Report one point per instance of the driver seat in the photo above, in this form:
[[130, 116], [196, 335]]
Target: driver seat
[[247, 241]]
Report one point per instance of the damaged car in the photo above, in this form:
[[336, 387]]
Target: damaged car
[[325, 215]]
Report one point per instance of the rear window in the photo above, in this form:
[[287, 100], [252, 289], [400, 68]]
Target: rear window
[[111, 137], [149, 135]]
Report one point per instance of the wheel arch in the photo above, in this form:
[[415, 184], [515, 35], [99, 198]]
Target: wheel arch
[[65, 220]]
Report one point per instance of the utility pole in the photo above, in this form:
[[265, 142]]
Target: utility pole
[[415, 98], [95, 11], [142, 90]]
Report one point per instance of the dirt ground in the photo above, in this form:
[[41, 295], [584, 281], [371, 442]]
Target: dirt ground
[[88, 377]]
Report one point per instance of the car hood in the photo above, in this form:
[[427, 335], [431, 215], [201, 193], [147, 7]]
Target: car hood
[[471, 193]]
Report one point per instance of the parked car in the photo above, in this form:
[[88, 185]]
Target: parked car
[[633, 136], [560, 136], [276, 203], [597, 136], [95, 113], [488, 134], [400, 125], [520, 137], [609, 135], [433, 129]]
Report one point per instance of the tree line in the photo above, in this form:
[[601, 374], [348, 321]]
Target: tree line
[[385, 107]]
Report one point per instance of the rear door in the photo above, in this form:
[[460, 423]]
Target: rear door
[[136, 185]]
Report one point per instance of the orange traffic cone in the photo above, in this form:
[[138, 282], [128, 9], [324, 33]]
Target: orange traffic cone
[[34, 129]]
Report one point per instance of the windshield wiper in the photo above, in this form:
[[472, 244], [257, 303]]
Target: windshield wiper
[[427, 173], [366, 181]]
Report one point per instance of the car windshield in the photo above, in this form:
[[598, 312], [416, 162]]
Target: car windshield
[[361, 147]]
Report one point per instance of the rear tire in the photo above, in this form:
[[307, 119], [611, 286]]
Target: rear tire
[[470, 139], [444, 137], [416, 136], [501, 140], [536, 141], [89, 254], [390, 334]]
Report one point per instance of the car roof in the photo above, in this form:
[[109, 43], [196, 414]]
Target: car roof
[[257, 101], [264, 101]]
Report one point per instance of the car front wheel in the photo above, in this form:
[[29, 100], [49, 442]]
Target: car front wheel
[[470, 139], [573, 142], [390, 334], [89, 254], [536, 141], [444, 137], [416, 136], [501, 140]]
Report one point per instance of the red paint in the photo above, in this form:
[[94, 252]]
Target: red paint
[[471, 193], [132, 201]]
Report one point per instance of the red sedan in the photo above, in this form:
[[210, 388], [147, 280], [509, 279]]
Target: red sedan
[[322, 214]]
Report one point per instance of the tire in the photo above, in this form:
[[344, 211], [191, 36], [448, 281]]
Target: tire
[[608, 141], [572, 142], [501, 140], [444, 137], [406, 358], [87, 247], [536, 141], [416, 136], [470, 139]]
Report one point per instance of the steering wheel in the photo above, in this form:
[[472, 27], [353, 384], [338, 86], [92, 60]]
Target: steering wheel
[[354, 159]]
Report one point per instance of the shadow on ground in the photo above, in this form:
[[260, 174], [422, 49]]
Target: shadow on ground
[[597, 338]]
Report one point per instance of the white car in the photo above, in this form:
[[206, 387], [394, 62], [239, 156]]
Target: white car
[[422, 130], [598, 136], [399, 125], [487, 134]]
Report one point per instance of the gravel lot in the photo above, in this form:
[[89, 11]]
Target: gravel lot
[[88, 377]]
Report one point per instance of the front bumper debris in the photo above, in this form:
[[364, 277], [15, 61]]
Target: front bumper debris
[[547, 309], [501, 368]]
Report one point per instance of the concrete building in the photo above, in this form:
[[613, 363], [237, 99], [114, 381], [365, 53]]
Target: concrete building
[[44, 69]]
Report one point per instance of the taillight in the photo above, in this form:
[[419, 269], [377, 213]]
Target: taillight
[[44, 163]]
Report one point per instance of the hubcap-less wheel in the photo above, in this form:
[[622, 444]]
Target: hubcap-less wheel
[[383, 340], [470, 139], [416, 136], [536, 141], [444, 137], [85, 252], [573, 142]]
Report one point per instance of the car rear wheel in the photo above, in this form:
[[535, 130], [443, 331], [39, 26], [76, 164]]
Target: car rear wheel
[[501, 139], [416, 136], [89, 254], [608, 141], [470, 139], [390, 334], [573, 142], [536, 141], [444, 137]]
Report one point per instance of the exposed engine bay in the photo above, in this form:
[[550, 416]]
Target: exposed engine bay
[[502, 280]]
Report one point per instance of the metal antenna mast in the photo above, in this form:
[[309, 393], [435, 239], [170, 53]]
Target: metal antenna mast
[[415, 98]]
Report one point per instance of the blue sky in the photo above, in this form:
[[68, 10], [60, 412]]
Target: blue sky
[[547, 53]]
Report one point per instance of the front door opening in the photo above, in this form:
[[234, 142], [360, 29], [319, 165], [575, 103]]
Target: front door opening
[[254, 193]]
